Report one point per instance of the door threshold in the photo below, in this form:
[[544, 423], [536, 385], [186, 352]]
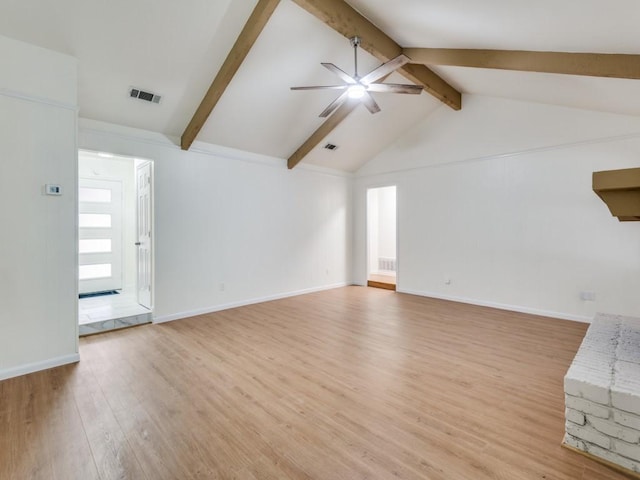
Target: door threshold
[[102, 326], [384, 285]]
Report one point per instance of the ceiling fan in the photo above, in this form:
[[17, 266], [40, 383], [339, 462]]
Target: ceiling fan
[[358, 87]]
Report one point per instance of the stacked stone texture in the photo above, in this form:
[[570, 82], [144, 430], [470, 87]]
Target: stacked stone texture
[[602, 392]]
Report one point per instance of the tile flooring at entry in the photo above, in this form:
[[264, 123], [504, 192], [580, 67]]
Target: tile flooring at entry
[[109, 312]]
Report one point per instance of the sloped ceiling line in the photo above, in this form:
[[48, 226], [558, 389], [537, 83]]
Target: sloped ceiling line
[[252, 29], [345, 20]]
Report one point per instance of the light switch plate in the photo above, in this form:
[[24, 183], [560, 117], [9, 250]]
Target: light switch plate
[[51, 189]]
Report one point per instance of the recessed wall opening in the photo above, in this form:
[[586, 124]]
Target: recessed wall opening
[[115, 220], [382, 259]]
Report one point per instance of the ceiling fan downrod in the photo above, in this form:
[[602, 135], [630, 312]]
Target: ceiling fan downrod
[[355, 43]]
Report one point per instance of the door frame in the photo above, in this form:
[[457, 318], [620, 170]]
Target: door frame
[[136, 161], [366, 229]]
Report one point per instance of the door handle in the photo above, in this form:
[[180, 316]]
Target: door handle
[[138, 244]]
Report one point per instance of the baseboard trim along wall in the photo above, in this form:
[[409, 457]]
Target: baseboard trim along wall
[[501, 306], [242, 303], [37, 366]]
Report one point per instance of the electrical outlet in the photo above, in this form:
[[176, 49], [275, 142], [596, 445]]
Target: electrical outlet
[[447, 281], [588, 296], [221, 287]]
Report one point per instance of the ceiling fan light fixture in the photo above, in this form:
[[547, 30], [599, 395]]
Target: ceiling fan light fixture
[[359, 88], [356, 91]]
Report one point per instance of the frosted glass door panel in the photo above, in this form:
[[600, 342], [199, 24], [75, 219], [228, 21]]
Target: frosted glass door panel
[[100, 235], [95, 245], [93, 272], [94, 195], [95, 220]]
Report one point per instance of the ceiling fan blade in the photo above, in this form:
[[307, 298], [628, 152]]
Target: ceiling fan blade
[[335, 104], [322, 87], [370, 103], [395, 88], [385, 69], [341, 73]]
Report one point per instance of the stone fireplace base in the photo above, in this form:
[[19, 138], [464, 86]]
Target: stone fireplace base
[[602, 392]]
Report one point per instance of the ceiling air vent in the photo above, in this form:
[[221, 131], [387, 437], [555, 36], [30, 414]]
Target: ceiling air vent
[[144, 95], [330, 146]]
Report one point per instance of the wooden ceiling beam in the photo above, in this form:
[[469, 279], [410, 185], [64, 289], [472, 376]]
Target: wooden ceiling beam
[[325, 129], [588, 64], [345, 20], [252, 29]]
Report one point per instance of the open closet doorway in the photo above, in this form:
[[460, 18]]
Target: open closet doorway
[[115, 247], [381, 237]]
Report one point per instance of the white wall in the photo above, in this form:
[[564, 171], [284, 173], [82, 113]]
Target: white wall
[[38, 303], [90, 165], [497, 197], [234, 218]]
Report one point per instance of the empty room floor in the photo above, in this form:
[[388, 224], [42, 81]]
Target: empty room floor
[[350, 383]]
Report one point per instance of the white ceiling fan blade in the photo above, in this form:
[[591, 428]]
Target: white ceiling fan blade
[[385, 69], [341, 73], [322, 87], [370, 103], [395, 88], [333, 105]]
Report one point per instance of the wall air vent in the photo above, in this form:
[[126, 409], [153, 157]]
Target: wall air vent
[[144, 95], [330, 146]]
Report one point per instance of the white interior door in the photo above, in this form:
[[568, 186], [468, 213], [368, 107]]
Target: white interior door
[[144, 216], [100, 235]]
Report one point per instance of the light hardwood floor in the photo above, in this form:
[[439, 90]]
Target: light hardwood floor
[[351, 383]]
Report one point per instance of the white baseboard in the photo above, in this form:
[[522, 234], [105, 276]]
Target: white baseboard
[[501, 306], [242, 303], [37, 366]]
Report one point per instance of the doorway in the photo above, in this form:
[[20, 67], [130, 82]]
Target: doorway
[[381, 237], [115, 248]]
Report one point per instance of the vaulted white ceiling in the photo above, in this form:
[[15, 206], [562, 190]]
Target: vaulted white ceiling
[[176, 48]]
